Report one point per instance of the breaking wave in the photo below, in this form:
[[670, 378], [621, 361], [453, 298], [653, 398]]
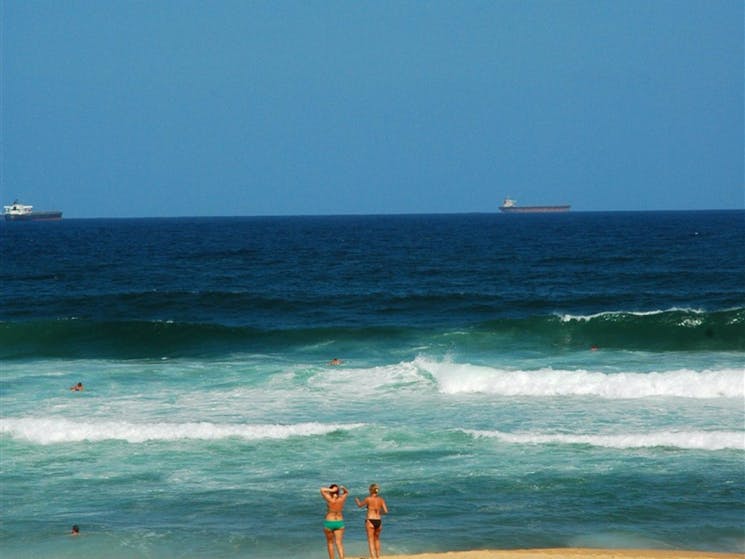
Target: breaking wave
[[688, 440], [58, 430], [458, 379], [668, 330]]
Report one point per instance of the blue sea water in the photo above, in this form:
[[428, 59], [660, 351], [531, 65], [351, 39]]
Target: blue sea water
[[510, 381]]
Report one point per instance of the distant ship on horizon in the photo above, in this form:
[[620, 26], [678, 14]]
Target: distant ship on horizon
[[510, 206], [22, 212]]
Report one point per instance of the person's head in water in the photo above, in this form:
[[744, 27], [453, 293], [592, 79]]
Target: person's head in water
[[75, 530]]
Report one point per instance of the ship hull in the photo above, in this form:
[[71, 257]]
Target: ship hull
[[533, 209], [34, 216]]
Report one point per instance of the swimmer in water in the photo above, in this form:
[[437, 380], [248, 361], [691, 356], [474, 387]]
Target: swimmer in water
[[77, 387]]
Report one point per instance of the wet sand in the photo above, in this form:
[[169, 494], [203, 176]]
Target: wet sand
[[572, 553]]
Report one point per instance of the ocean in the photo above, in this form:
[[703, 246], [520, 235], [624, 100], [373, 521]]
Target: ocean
[[510, 381]]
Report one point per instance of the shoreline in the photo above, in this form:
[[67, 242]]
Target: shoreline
[[572, 553]]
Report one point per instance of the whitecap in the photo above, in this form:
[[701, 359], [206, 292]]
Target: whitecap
[[62, 430]]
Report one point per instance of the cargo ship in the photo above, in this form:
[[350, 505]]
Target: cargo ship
[[21, 212], [510, 206]]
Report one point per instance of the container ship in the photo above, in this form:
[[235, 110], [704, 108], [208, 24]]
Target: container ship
[[510, 206], [22, 212]]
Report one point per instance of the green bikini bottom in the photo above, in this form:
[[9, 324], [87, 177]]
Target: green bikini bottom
[[333, 524]]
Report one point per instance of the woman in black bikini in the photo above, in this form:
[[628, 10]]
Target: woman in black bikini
[[373, 523]]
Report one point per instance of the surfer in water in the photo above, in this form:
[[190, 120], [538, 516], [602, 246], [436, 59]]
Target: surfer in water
[[373, 523], [333, 525], [77, 387]]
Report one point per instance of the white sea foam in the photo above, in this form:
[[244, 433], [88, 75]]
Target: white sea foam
[[453, 378], [588, 317], [690, 440], [61, 430], [368, 381]]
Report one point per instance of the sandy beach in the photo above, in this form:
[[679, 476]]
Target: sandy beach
[[572, 553]]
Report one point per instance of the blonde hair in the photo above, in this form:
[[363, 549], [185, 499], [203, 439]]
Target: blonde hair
[[374, 488]]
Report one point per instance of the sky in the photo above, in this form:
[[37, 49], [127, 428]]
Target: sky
[[145, 108]]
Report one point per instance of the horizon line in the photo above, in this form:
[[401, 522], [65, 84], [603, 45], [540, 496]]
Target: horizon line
[[397, 214]]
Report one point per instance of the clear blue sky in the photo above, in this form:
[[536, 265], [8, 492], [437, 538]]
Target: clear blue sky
[[115, 108]]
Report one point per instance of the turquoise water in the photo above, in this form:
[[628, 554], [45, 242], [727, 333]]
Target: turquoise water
[[470, 388]]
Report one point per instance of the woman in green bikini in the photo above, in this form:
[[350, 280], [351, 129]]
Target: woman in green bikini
[[333, 525]]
